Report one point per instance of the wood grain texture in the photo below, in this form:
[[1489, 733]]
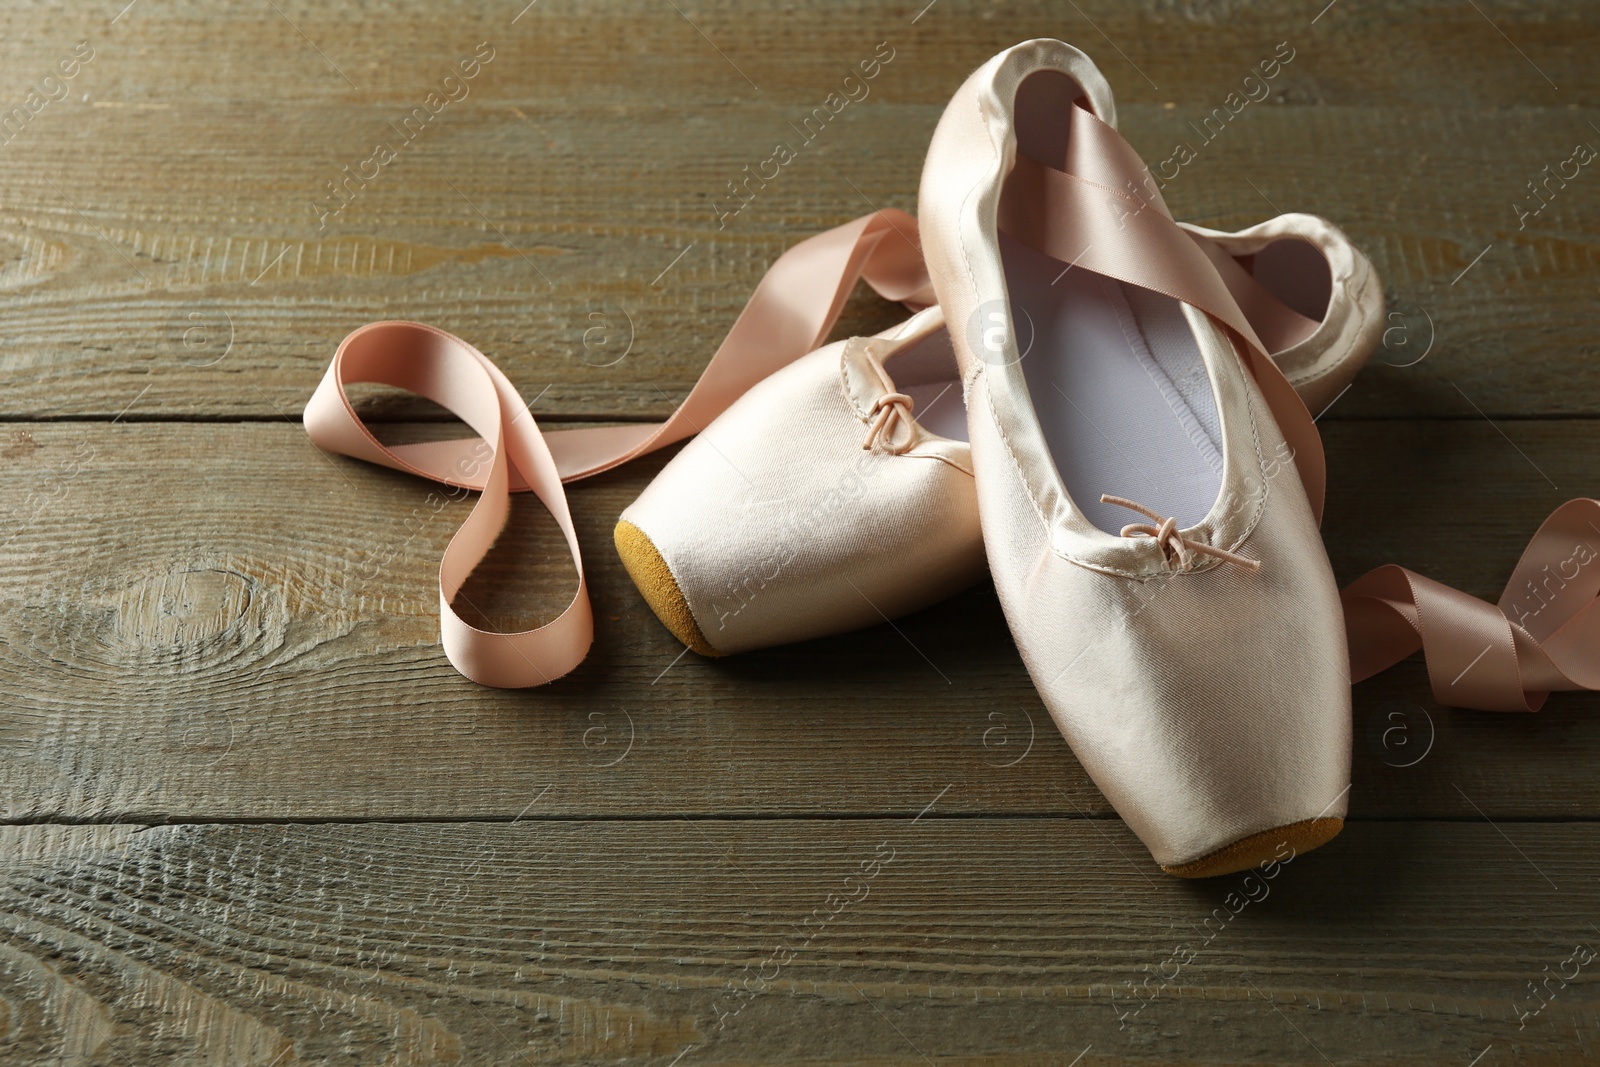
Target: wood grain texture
[[284, 293], [618, 51], [219, 622], [543, 215], [893, 941], [206, 622]]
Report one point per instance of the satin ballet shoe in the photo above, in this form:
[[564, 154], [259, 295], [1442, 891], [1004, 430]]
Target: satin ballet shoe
[[716, 558], [1149, 484], [816, 503], [1308, 263]]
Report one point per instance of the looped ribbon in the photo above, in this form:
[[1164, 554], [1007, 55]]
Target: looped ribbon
[[1100, 211], [1543, 635], [791, 312], [1175, 547], [890, 412]]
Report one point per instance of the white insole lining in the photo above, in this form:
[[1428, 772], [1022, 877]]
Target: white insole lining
[[926, 372], [1119, 388], [939, 408]]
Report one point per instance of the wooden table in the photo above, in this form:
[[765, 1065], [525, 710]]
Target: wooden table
[[252, 816]]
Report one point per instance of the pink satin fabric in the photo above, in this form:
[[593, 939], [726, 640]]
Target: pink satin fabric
[[790, 313], [1541, 637], [1102, 211]]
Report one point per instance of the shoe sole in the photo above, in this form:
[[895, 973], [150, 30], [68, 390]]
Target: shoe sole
[[1265, 847], [659, 588]]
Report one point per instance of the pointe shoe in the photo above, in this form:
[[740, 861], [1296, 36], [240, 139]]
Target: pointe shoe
[[719, 547], [1309, 264], [815, 504], [1195, 662], [703, 543]]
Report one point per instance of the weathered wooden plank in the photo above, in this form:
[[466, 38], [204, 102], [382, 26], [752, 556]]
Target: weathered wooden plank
[[211, 622], [543, 215], [873, 941], [711, 52], [564, 262], [217, 621]]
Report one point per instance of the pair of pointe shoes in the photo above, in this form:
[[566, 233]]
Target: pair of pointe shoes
[[1102, 414]]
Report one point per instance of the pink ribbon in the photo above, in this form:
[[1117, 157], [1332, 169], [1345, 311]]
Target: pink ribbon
[[791, 312], [1541, 637], [1100, 212]]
